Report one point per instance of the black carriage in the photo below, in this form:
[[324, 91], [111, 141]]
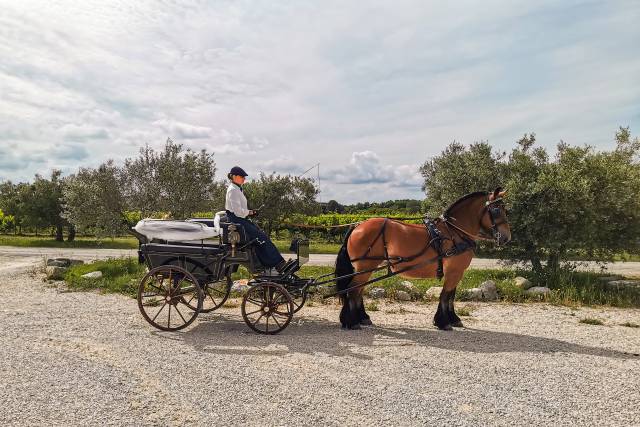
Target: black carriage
[[186, 278]]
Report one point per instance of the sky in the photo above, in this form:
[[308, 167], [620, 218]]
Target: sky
[[369, 90]]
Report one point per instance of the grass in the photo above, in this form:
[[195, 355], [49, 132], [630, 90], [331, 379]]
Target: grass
[[591, 321], [121, 275], [372, 306], [576, 289], [79, 242], [465, 310], [630, 325], [132, 243]]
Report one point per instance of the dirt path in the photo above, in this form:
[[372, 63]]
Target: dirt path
[[83, 358], [9, 254]]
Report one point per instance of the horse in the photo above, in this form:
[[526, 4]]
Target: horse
[[440, 248]]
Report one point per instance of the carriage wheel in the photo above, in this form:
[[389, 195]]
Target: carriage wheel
[[215, 293], [163, 294], [267, 308], [298, 297]]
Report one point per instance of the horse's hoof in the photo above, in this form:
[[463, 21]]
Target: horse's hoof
[[366, 322], [355, 327], [446, 327], [457, 324]]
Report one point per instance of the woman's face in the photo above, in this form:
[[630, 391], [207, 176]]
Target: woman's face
[[237, 179]]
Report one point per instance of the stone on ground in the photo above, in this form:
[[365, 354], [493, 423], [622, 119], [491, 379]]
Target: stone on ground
[[407, 285], [403, 296], [55, 273], [523, 283], [93, 275], [541, 291], [489, 290], [57, 263], [623, 284], [377, 292], [473, 294], [433, 293]]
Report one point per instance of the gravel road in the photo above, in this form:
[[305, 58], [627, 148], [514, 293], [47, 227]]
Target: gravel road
[[84, 358], [36, 254]]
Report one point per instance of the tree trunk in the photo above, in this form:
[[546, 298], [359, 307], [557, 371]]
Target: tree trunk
[[72, 234], [59, 236]]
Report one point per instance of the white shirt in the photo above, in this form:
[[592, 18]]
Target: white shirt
[[236, 202]]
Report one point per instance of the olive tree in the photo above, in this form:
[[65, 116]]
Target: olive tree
[[581, 202], [282, 196], [174, 180], [93, 201]]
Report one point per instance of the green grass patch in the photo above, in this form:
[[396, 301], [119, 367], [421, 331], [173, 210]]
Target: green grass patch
[[630, 325], [591, 321], [465, 310], [79, 242], [120, 275], [372, 306]]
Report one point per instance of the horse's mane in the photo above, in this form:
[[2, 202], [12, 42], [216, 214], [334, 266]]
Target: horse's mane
[[462, 199]]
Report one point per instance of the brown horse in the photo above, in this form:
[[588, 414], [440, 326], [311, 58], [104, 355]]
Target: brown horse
[[414, 250]]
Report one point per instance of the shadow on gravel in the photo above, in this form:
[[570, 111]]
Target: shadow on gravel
[[227, 334]]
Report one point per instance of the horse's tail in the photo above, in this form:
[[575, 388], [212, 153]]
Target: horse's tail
[[343, 265]]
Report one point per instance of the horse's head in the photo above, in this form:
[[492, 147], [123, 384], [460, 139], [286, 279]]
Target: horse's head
[[494, 219]]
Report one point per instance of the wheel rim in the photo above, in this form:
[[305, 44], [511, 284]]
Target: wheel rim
[[298, 299], [267, 308], [162, 298]]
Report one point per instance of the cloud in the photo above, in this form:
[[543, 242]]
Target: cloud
[[366, 167], [69, 152], [82, 132], [274, 85], [182, 130]]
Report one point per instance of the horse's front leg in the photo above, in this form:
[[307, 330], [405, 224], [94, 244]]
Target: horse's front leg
[[446, 316]]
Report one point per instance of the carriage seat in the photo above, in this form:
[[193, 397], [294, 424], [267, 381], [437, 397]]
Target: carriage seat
[[222, 222], [175, 231]]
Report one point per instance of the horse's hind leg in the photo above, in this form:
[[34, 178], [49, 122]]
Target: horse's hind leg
[[365, 320], [351, 309], [453, 317]]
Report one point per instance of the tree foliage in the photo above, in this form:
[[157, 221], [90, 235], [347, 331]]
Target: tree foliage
[[93, 201], [282, 196], [173, 180], [580, 202]]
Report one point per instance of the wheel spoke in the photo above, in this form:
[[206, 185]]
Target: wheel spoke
[[176, 307], [258, 319], [153, 303], [276, 320], [268, 323], [169, 318], [161, 308], [254, 312]]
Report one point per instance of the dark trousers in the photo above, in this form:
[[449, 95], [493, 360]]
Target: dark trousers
[[265, 249]]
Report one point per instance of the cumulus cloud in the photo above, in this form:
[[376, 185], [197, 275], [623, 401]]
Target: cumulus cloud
[[82, 132], [366, 167], [183, 130]]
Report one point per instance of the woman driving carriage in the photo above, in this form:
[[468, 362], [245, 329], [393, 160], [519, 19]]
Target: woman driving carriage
[[237, 212]]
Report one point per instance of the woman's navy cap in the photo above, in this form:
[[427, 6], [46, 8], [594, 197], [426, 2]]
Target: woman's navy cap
[[237, 170]]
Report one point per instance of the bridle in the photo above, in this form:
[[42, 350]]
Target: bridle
[[494, 209]]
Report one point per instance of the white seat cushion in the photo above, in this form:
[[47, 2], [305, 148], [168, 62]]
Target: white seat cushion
[[175, 231]]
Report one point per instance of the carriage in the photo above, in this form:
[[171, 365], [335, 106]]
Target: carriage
[[191, 262], [190, 266]]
